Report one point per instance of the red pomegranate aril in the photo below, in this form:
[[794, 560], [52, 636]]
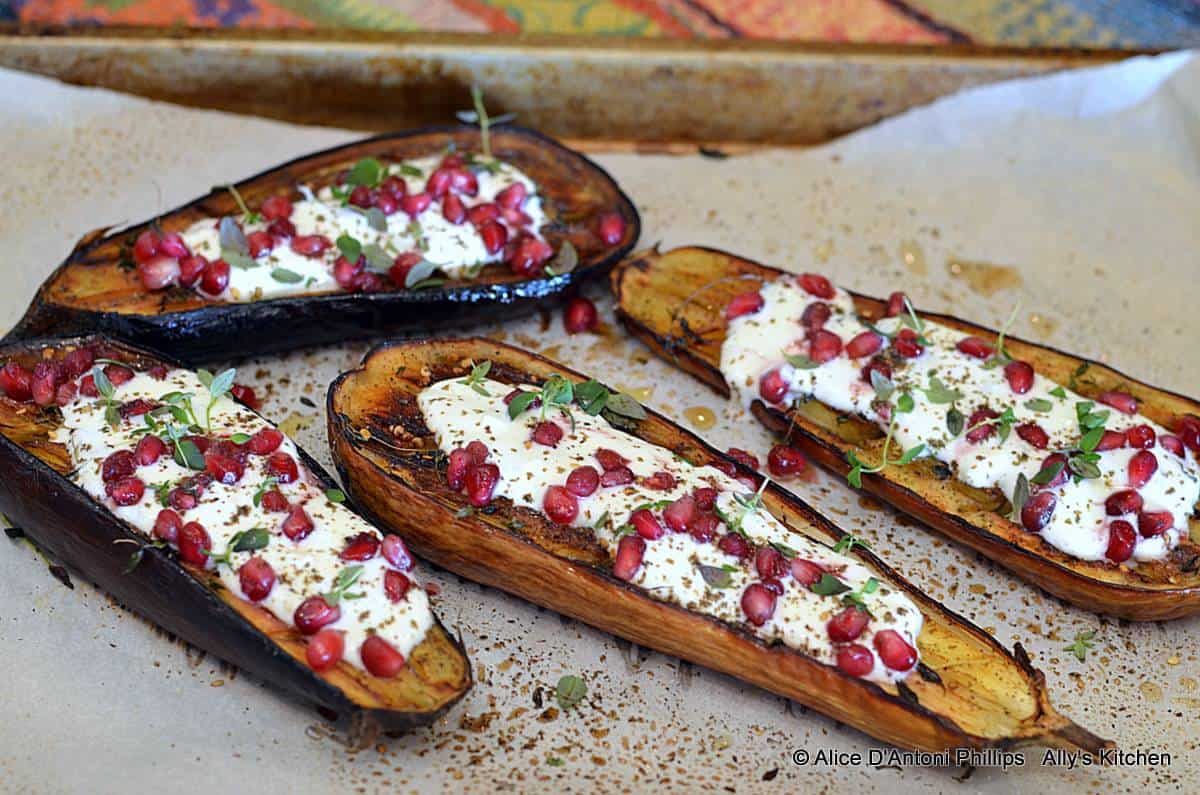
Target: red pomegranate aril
[[1141, 436], [877, 365], [610, 459], [265, 441], [1188, 428], [784, 461], [368, 282], [528, 256], [628, 559], [438, 183], [380, 658], [1036, 512], [744, 304], [1056, 460], [403, 263], [906, 344], [1154, 523], [773, 585], [646, 525], [976, 347], [1122, 502], [818, 285], [191, 268], [1172, 444], [611, 228], [362, 546], [193, 541], [257, 578], [1034, 434], [275, 208], [224, 468], [1121, 401], [478, 451], [396, 552], [978, 434], [621, 476], [453, 209], [660, 481], [282, 467], [583, 481], [847, 625], [895, 304], [120, 464], [704, 527], [825, 346], [148, 450], [43, 384], [158, 372], [894, 650], [273, 501], [298, 524], [758, 603], [182, 500], [456, 468], [395, 187], [1111, 440], [770, 562], [815, 316], [172, 245], [145, 247], [463, 181], [360, 196], [215, 278], [580, 315], [482, 213], [805, 572], [395, 585], [512, 197], [560, 505], [705, 498], [310, 245], [734, 544], [494, 236], [772, 387], [75, 363], [481, 482], [260, 243], [158, 273], [1122, 538], [282, 230], [136, 408], [743, 457], [66, 393], [864, 344], [1141, 468], [855, 660], [679, 514], [314, 613], [386, 203], [547, 433], [166, 525], [1019, 376], [345, 271], [325, 650]]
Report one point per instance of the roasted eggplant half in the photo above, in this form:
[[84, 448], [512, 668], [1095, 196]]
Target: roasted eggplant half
[[676, 302], [586, 225], [40, 495], [968, 691]]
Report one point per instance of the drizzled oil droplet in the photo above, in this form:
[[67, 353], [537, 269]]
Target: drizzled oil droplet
[[700, 417]]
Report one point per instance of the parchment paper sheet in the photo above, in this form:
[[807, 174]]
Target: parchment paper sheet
[[1076, 195]]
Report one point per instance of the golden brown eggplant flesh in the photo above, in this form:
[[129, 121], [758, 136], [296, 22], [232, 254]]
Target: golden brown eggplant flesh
[[674, 302], [97, 290], [38, 496], [969, 690]]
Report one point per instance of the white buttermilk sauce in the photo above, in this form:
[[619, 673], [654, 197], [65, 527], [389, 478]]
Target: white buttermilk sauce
[[302, 569], [670, 569], [758, 342], [457, 249]]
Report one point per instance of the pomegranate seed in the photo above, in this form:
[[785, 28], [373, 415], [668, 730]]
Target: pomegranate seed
[[547, 433], [273, 501], [149, 449], [773, 585], [386, 203], [276, 208], [805, 572], [145, 248], [864, 344], [395, 585], [1121, 541], [1141, 468], [282, 230], [224, 468], [1120, 503], [1188, 428], [769, 562], [158, 273], [679, 514], [1171, 443], [847, 625], [191, 269], [1154, 523], [282, 467], [583, 481], [977, 435], [734, 544], [314, 613], [396, 552], [380, 657], [580, 315], [758, 603], [482, 213], [879, 365], [560, 505], [494, 236], [1036, 512], [310, 245], [818, 285], [743, 457], [43, 384], [1055, 459], [784, 461], [704, 527], [368, 282], [361, 196], [621, 476], [257, 578], [438, 183], [646, 525], [1034, 434], [172, 245], [193, 540], [772, 387], [260, 243], [298, 524], [976, 347], [529, 255], [705, 498], [895, 304], [894, 650], [1019, 376], [824, 346], [215, 278], [906, 344], [628, 559], [481, 482], [1141, 436], [611, 228], [120, 464], [118, 375], [66, 393], [325, 650], [75, 363], [181, 500], [512, 197], [610, 459], [166, 525], [744, 304], [815, 316], [265, 441], [464, 182], [136, 408], [394, 187], [855, 660], [1111, 440], [453, 209], [456, 468], [362, 546], [404, 263], [158, 372], [345, 271], [1121, 401], [660, 481]]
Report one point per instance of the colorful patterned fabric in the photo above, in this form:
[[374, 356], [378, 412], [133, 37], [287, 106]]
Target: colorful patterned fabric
[[1129, 23]]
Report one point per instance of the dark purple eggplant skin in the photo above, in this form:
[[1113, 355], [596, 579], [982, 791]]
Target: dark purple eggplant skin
[[61, 518], [217, 331]]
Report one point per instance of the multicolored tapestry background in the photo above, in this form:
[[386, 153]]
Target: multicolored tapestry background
[[1119, 23]]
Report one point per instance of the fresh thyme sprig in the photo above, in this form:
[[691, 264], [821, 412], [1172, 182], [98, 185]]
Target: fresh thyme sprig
[[858, 468], [249, 216], [478, 375]]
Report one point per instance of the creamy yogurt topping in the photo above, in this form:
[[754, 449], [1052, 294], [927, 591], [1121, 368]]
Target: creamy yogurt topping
[[457, 414], [302, 568], [457, 249], [758, 343]]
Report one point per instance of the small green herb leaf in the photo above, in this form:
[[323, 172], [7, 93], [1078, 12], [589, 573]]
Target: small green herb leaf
[[801, 362], [848, 542], [716, 577], [1020, 496], [1083, 643], [828, 585], [286, 276], [335, 495], [350, 247], [955, 421], [1039, 404], [570, 691], [938, 392], [366, 172]]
